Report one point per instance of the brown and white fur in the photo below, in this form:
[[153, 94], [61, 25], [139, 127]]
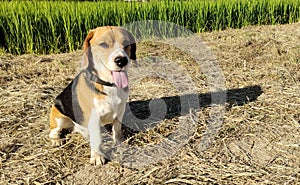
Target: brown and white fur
[[97, 96]]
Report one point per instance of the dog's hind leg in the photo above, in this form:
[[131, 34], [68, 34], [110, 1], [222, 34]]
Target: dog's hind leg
[[58, 122]]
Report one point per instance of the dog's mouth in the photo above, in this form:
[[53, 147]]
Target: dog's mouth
[[120, 78]]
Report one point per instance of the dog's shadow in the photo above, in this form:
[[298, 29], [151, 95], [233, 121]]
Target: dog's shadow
[[142, 115]]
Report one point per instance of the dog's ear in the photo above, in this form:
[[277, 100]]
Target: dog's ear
[[133, 51], [132, 46], [86, 49]]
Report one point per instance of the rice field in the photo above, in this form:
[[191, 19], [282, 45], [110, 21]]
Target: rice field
[[57, 26]]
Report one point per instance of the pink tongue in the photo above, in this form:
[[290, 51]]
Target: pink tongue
[[120, 79]]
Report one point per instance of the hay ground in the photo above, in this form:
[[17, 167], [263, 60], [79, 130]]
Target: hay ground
[[259, 141]]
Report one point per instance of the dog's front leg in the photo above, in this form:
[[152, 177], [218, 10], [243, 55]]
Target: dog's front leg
[[97, 157], [117, 125], [117, 131]]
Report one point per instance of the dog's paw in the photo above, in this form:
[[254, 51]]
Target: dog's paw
[[56, 142], [117, 141], [97, 160]]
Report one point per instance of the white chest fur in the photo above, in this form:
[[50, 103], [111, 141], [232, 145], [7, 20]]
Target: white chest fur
[[113, 106]]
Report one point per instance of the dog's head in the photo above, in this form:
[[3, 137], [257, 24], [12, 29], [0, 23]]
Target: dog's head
[[108, 51]]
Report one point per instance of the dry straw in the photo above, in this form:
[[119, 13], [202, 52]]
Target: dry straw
[[258, 143]]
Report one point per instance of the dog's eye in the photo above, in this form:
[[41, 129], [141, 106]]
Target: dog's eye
[[104, 45]]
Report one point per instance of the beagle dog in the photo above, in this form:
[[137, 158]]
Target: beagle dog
[[97, 95]]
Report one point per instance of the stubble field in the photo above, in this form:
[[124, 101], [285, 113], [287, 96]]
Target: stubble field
[[258, 142]]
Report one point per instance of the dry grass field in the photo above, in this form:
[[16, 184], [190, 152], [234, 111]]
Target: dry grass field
[[258, 142]]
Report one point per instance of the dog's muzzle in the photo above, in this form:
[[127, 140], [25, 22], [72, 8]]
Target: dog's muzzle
[[121, 61]]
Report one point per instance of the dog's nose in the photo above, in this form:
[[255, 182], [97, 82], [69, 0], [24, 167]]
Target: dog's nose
[[121, 61]]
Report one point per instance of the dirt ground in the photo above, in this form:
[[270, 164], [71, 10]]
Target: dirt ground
[[258, 141]]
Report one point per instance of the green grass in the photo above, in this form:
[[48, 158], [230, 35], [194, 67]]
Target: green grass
[[53, 27]]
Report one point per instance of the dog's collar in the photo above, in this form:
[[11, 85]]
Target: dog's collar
[[96, 79]]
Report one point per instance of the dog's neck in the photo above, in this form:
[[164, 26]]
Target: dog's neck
[[94, 77]]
